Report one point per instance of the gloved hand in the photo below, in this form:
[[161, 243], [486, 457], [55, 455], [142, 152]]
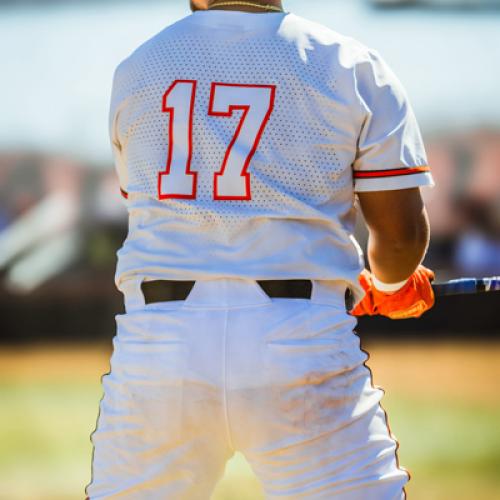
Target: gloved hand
[[410, 301]]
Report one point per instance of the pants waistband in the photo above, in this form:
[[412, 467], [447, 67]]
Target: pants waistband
[[229, 292], [167, 290]]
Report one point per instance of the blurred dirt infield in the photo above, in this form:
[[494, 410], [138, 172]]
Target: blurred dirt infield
[[443, 402]]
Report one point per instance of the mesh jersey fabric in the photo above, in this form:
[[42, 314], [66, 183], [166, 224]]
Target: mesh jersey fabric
[[340, 123]]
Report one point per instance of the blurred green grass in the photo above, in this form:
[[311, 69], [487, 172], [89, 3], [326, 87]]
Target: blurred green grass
[[450, 445]]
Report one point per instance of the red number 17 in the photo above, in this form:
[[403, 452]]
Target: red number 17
[[232, 181]]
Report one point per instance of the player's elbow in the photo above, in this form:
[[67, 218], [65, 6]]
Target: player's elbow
[[410, 239], [397, 222]]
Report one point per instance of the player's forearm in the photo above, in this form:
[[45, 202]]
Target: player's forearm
[[399, 232], [393, 258]]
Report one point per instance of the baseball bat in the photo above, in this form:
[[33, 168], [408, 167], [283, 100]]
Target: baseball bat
[[467, 286]]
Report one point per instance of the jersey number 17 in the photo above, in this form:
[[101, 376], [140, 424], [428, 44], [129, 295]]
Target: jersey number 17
[[232, 180]]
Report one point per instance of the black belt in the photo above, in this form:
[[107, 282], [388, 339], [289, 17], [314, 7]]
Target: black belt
[[165, 290]]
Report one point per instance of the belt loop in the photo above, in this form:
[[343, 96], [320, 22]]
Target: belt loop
[[132, 293]]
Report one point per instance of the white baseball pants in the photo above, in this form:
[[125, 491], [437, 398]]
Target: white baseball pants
[[281, 380]]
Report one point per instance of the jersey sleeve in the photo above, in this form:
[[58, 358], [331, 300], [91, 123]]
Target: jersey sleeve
[[118, 97], [390, 152]]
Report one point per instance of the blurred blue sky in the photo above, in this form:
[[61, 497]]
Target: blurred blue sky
[[57, 64]]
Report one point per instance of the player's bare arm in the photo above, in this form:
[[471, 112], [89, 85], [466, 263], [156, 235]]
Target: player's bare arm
[[398, 232], [398, 286]]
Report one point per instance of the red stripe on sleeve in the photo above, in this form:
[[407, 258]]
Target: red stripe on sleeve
[[370, 174]]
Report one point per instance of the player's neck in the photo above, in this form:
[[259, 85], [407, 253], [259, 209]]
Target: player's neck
[[259, 6]]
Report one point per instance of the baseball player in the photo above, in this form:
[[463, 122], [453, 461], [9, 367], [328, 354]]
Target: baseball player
[[242, 135]]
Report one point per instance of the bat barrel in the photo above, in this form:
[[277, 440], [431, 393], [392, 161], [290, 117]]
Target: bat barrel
[[466, 286]]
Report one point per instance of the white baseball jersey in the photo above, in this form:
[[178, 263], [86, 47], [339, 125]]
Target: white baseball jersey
[[240, 140]]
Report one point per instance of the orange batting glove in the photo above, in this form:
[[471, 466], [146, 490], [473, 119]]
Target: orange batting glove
[[410, 301]]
